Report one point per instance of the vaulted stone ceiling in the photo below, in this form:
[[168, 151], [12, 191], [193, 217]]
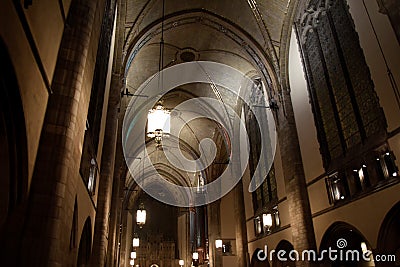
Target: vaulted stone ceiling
[[245, 35], [262, 19]]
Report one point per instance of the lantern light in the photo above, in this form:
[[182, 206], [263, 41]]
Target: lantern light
[[267, 220], [141, 215], [218, 243], [195, 255], [158, 122], [181, 262], [133, 254], [135, 241], [158, 119]]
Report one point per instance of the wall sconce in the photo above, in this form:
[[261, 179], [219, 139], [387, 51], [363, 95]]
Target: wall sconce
[[390, 165], [362, 177], [218, 243], [181, 262], [257, 225], [336, 188], [267, 221], [276, 216]]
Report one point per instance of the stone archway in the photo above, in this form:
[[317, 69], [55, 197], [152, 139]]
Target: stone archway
[[256, 262], [85, 245], [390, 228], [341, 236], [13, 159], [286, 246]]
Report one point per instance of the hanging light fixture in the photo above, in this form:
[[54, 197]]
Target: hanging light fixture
[[141, 215], [200, 184], [181, 263], [158, 118], [195, 255], [141, 212], [132, 262], [158, 122], [135, 240], [133, 254]]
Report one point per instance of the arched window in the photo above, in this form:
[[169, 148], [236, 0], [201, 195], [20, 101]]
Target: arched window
[[13, 160], [287, 247], [85, 244], [257, 260], [343, 237], [351, 126], [74, 228], [13, 142], [390, 228], [264, 197], [89, 161]]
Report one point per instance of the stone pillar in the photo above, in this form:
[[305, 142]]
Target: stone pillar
[[119, 177], [52, 196], [114, 226], [296, 189], [214, 232], [119, 214], [100, 240], [116, 206], [240, 223], [127, 221], [302, 228]]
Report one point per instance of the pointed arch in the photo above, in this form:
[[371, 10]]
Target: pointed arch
[[256, 262], [389, 229], [13, 161], [85, 244], [344, 237], [286, 246], [74, 227], [13, 141]]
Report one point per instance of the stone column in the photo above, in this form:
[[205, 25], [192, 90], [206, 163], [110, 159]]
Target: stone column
[[119, 177], [116, 205], [240, 223], [296, 189], [126, 238], [52, 196], [214, 232], [100, 240], [119, 211], [114, 226]]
